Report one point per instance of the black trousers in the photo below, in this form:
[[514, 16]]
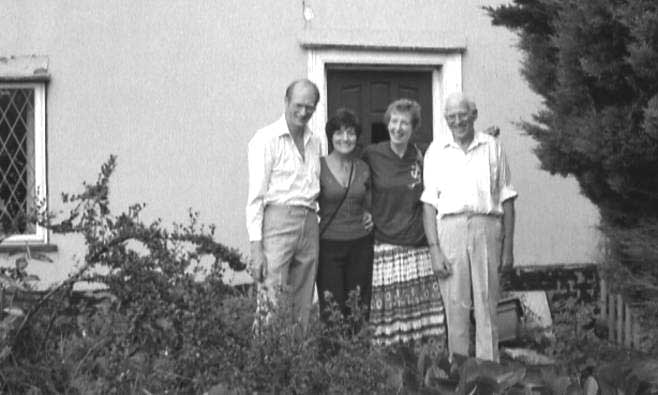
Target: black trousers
[[343, 266]]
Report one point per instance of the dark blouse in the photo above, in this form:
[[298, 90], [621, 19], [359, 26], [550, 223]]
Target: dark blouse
[[396, 188], [346, 225]]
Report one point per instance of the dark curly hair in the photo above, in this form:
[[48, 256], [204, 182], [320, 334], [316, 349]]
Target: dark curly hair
[[341, 118]]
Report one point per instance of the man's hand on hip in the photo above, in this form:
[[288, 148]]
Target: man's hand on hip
[[258, 263]]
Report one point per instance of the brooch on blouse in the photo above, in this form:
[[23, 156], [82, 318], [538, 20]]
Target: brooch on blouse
[[416, 173]]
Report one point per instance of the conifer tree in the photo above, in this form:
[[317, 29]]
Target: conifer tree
[[595, 64]]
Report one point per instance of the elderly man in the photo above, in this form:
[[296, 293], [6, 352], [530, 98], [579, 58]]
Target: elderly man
[[284, 182], [469, 224]]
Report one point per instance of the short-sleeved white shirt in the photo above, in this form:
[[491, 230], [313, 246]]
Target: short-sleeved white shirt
[[477, 181]]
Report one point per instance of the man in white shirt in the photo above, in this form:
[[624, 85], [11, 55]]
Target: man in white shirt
[[469, 224], [284, 183]]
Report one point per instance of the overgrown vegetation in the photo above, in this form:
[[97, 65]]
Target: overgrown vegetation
[[594, 64], [157, 327], [166, 323]]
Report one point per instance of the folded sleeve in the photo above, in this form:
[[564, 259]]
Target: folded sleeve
[[260, 168], [431, 190], [505, 187]]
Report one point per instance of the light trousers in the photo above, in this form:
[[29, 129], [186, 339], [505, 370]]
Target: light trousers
[[472, 244], [290, 244]]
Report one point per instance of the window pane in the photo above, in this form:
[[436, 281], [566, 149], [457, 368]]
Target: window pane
[[17, 184]]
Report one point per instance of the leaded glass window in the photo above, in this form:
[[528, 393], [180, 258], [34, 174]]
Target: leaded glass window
[[22, 158]]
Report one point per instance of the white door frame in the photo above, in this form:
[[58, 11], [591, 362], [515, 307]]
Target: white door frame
[[446, 70]]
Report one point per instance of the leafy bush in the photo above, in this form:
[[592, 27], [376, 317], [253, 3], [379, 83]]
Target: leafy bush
[[165, 323], [333, 358], [157, 328]]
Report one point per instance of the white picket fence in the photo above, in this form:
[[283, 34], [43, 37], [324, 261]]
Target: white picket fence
[[621, 321]]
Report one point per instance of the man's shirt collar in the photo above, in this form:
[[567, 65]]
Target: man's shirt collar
[[478, 138], [282, 129]]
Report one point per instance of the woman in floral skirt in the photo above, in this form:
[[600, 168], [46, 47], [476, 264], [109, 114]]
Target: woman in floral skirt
[[406, 306]]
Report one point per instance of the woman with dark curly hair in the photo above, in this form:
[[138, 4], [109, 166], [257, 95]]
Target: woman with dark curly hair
[[345, 263]]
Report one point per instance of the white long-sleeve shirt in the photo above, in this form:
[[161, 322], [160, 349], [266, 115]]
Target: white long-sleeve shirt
[[477, 181], [278, 174]]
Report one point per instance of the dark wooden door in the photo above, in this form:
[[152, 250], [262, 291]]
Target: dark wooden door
[[368, 93]]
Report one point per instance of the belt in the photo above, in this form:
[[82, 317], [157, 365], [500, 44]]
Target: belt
[[290, 206], [470, 214]]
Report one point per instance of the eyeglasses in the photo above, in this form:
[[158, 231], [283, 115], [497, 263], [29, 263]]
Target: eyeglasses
[[457, 116]]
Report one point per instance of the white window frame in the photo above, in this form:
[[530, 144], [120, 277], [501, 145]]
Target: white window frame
[[446, 67], [40, 185]]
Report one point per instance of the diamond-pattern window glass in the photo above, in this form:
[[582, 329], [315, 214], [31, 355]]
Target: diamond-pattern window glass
[[17, 176]]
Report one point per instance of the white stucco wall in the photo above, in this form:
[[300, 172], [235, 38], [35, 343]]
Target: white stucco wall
[[555, 224], [176, 88]]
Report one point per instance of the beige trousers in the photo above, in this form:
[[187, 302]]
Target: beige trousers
[[472, 244], [290, 245]]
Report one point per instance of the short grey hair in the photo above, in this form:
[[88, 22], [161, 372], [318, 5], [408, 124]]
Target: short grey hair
[[404, 106], [459, 97]]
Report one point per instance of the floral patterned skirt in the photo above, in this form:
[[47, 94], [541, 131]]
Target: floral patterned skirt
[[406, 304]]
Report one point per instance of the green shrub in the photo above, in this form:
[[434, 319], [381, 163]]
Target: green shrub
[[157, 328]]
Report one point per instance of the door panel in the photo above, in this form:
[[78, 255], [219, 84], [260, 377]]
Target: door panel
[[409, 91], [369, 92], [351, 97], [380, 92]]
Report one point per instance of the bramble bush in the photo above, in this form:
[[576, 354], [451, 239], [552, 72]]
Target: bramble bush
[[163, 323]]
